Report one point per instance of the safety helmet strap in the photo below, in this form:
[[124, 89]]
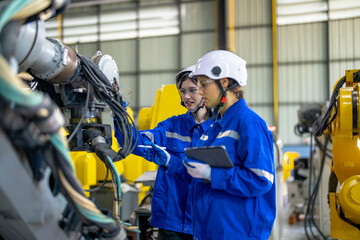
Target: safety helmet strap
[[223, 97], [222, 100]]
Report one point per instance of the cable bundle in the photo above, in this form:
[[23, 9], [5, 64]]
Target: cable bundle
[[113, 99], [310, 221], [321, 126]]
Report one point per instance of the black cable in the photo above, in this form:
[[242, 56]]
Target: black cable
[[316, 190], [51, 154], [296, 130], [67, 170], [309, 216], [148, 195], [309, 194], [325, 122], [113, 99], [82, 115], [321, 146], [60, 161], [101, 185]]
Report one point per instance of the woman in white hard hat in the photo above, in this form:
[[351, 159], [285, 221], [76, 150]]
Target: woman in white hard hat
[[171, 204], [238, 202]]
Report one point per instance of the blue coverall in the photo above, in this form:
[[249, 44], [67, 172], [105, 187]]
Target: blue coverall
[[171, 201], [239, 202]]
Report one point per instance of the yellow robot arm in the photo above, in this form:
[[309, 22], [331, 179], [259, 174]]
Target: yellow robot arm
[[344, 133]]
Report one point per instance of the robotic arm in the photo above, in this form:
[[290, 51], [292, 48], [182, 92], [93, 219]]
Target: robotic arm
[[85, 85], [34, 154], [342, 123], [47, 59]]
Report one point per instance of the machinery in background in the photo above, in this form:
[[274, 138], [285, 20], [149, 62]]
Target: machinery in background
[[314, 178], [40, 196], [307, 115], [167, 104], [340, 125], [297, 162], [295, 186]]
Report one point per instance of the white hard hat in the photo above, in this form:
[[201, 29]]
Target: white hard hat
[[221, 64], [179, 77]]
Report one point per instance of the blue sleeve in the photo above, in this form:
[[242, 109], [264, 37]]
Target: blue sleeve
[[255, 176], [176, 166], [156, 135]]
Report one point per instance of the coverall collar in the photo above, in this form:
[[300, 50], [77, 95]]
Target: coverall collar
[[190, 122], [233, 110]]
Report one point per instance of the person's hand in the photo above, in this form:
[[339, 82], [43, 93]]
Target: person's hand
[[156, 154], [197, 169]]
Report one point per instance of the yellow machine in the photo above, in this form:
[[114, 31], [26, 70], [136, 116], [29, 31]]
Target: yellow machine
[[167, 104], [344, 133], [288, 163]]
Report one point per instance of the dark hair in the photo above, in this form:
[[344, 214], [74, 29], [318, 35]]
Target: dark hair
[[184, 78], [237, 89]]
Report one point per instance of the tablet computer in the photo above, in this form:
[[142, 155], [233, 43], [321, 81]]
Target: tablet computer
[[215, 156]]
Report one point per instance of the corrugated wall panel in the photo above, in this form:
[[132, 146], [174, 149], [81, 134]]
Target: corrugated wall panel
[[287, 119], [155, 2], [344, 38], [252, 12], [303, 83], [302, 73], [254, 45], [116, 5], [78, 11], [344, 48], [124, 53], [86, 49], [149, 83], [127, 87], [298, 85], [197, 16], [253, 42], [159, 53], [194, 46], [304, 42], [259, 87]]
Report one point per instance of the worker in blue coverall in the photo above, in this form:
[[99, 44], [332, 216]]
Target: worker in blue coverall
[[237, 202], [164, 145]]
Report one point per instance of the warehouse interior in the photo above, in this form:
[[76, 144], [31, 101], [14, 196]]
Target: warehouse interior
[[303, 64]]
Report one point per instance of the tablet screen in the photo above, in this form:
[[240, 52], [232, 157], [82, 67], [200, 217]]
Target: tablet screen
[[215, 156]]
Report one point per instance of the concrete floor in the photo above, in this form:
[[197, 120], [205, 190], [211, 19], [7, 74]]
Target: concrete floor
[[294, 232]]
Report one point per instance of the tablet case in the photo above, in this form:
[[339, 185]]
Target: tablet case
[[215, 156]]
